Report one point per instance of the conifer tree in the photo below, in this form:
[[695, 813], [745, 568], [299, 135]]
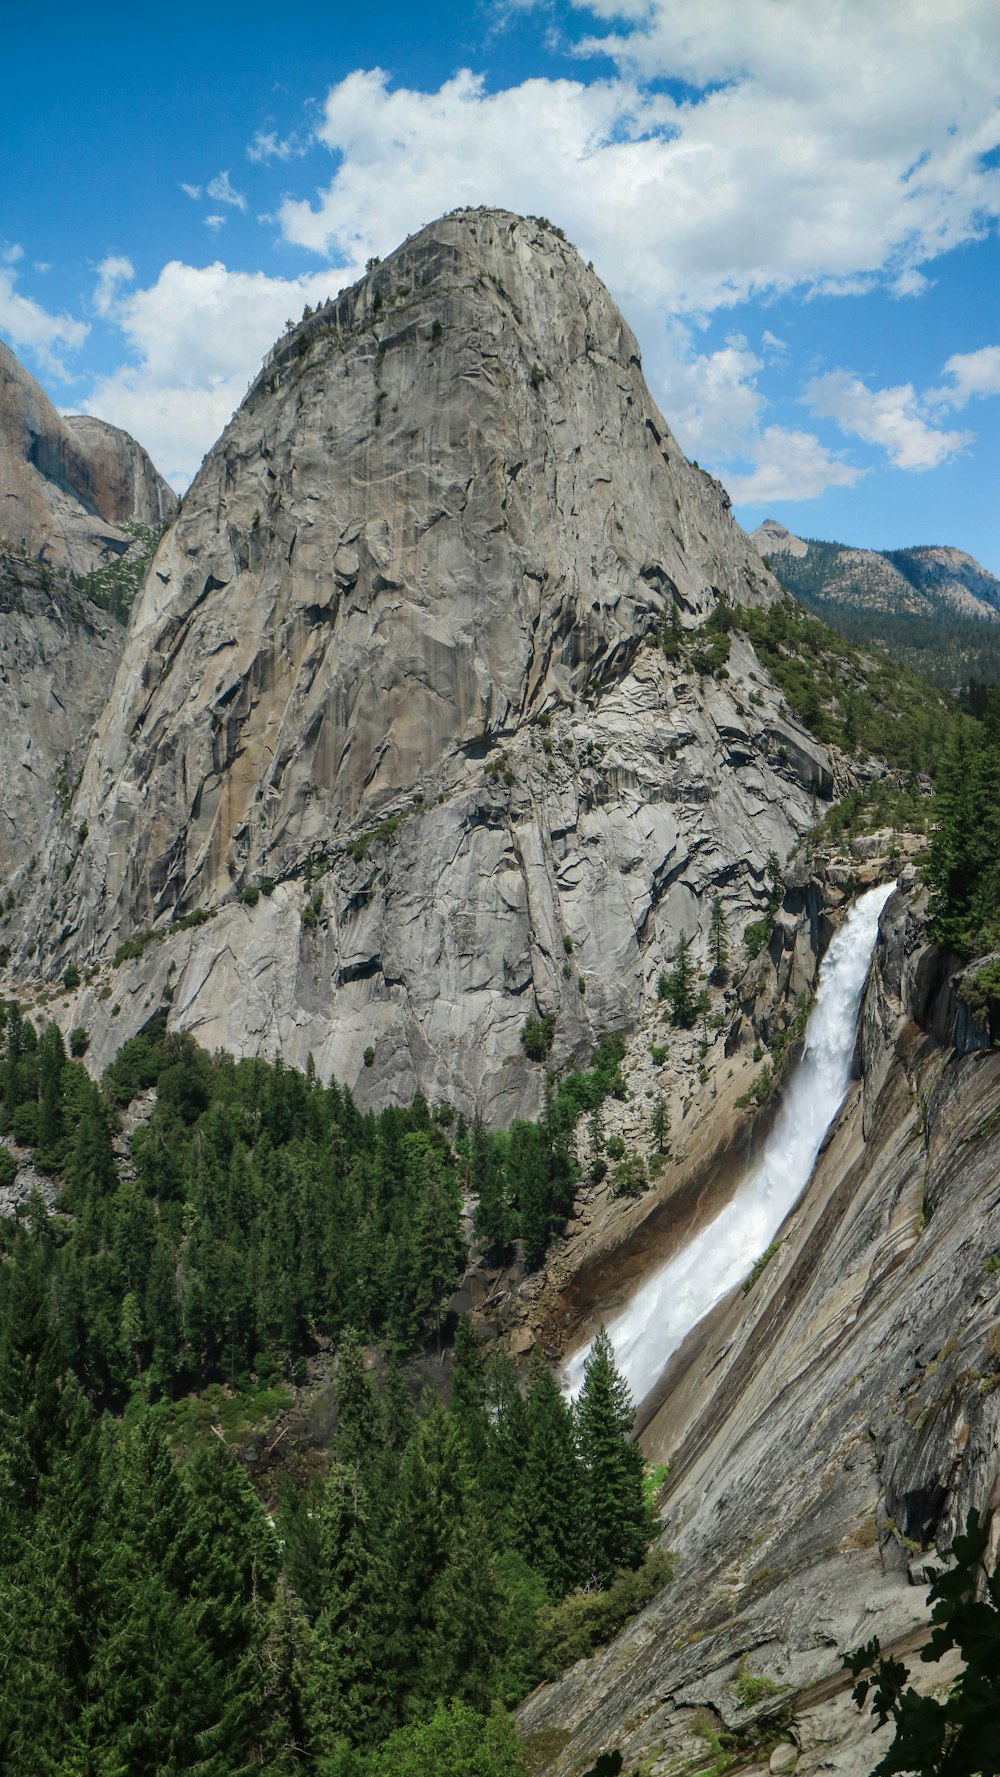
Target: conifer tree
[[718, 941], [550, 1505], [616, 1517], [468, 1394], [493, 1217], [345, 1693], [680, 987]]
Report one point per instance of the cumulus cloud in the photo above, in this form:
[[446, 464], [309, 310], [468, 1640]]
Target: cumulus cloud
[[820, 149], [195, 337], [214, 222], [223, 191], [971, 373], [30, 327], [894, 418], [789, 465], [812, 150], [11, 252]]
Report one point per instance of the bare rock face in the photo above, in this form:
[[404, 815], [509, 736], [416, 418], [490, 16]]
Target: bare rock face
[[58, 654], [391, 667], [829, 1430], [68, 486]]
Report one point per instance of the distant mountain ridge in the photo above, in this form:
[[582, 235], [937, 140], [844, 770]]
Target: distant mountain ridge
[[930, 581]]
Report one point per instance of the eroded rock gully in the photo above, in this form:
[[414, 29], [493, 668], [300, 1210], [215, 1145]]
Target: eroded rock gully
[[830, 1429]]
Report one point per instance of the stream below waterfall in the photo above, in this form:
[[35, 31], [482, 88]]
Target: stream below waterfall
[[675, 1298]]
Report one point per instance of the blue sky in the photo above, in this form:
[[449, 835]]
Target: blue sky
[[795, 205]]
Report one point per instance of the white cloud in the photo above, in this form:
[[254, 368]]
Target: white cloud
[[30, 327], [112, 272], [894, 418], [196, 337], [911, 282], [267, 145], [823, 149], [789, 465], [191, 191], [711, 398], [222, 189], [215, 222], [972, 373], [826, 150], [717, 411], [11, 253]]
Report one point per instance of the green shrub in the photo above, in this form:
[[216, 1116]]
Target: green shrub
[[369, 1056], [79, 1042], [250, 895], [630, 1177], [755, 936], [8, 1168], [583, 1621], [751, 1687], [538, 1036], [71, 977], [312, 909], [760, 1266]]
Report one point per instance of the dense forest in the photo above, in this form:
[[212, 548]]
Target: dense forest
[[153, 1615]]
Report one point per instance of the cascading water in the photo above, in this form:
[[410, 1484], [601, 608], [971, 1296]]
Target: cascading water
[[675, 1298]]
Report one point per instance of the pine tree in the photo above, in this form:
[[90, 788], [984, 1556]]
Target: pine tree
[[488, 1179], [506, 1444], [680, 987], [617, 1521], [718, 941], [549, 1503], [468, 1394], [345, 1693], [661, 1124]]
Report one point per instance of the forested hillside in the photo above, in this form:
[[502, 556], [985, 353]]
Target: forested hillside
[[393, 1602], [949, 648]]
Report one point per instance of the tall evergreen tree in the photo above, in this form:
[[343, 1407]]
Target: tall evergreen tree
[[718, 940], [550, 1504], [617, 1520], [680, 991]]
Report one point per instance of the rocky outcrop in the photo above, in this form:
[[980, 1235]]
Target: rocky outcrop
[[58, 654], [389, 709], [69, 486], [828, 1431]]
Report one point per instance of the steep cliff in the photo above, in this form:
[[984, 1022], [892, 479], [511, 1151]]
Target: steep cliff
[[58, 654], [829, 1430], [68, 486], [388, 710]]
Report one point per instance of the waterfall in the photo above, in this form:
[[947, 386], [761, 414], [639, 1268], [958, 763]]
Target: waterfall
[[677, 1296]]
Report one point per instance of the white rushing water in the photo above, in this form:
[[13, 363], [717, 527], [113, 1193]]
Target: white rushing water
[[672, 1301]]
